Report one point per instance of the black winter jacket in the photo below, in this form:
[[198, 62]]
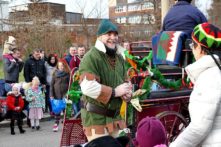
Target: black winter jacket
[[34, 68]]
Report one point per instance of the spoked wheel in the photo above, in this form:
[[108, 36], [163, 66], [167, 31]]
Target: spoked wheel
[[173, 122]]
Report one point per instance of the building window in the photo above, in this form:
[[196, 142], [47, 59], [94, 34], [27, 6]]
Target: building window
[[152, 19], [120, 9], [134, 8], [147, 32], [147, 5], [137, 33], [134, 19], [148, 19], [145, 19], [117, 20], [133, 1], [121, 20], [131, 33]]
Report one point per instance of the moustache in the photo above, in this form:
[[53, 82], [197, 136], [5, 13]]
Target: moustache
[[111, 41]]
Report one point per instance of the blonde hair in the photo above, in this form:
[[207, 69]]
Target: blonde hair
[[35, 80], [25, 85]]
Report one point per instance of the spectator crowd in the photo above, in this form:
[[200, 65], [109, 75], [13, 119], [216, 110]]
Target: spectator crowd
[[46, 77]]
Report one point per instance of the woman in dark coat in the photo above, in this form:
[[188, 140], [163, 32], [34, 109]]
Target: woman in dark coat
[[59, 85]]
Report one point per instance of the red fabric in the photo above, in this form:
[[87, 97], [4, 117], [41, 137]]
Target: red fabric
[[75, 62], [11, 103], [63, 61], [8, 56]]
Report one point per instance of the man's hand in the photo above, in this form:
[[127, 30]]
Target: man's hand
[[122, 89], [17, 108], [13, 60], [127, 97], [20, 59]]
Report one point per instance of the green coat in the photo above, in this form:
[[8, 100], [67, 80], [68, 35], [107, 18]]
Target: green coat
[[97, 63]]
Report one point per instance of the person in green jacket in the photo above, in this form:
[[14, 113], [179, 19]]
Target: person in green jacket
[[103, 84]]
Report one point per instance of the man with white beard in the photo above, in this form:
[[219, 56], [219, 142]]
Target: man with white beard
[[102, 81]]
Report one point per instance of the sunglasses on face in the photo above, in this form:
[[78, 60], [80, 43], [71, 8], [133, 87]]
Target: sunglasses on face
[[191, 46]]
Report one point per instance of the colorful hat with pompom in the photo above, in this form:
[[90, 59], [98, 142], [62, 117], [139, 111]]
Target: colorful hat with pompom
[[208, 36]]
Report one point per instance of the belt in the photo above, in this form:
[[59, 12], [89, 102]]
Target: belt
[[99, 110]]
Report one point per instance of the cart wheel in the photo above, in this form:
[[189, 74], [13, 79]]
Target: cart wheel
[[173, 122]]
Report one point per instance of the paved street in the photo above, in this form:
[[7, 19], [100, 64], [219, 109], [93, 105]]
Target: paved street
[[43, 138]]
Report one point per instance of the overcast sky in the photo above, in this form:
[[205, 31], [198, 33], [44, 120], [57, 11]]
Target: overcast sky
[[99, 8], [90, 8], [204, 5]]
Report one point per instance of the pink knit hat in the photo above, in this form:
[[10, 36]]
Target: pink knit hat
[[150, 132]]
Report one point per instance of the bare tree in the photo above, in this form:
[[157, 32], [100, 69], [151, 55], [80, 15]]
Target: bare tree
[[149, 24], [88, 24], [214, 13], [2, 26], [34, 29]]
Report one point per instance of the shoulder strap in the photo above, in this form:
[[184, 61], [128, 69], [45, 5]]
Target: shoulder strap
[[217, 63]]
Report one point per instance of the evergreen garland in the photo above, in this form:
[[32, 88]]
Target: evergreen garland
[[137, 63], [164, 82], [74, 94], [75, 91], [154, 75]]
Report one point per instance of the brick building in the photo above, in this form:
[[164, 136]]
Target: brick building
[[52, 12], [138, 19]]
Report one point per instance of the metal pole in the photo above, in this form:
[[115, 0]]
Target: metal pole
[[164, 8], [1, 23]]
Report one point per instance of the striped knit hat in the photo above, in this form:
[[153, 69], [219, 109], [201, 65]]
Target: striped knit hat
[[208, 36]]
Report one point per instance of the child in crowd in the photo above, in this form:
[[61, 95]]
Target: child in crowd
[[150, 133], [59, 86], [15, 104], [35, 97]]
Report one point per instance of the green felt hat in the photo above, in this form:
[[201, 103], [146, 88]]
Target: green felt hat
[[106, 26]]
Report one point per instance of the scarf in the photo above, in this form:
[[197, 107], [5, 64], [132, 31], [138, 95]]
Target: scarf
[[60, 73]]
